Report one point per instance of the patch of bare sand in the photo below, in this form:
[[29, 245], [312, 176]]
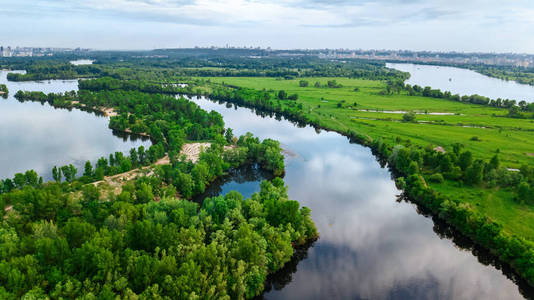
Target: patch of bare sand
[[109, 112], [192, 151]]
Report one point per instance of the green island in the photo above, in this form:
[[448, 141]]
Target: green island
[[468, 160], [127, 227]]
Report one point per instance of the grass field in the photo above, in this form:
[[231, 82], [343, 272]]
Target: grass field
[[438, 123]]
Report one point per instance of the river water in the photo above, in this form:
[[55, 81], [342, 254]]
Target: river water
[[373, 245], [37, 136], [464, 82]]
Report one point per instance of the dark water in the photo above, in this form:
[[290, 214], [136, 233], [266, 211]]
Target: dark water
[[245, 179], [372, 244], [465, 82], [36, 136]]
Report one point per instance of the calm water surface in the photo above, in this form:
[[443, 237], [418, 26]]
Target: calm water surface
[[464, 82], [36, 136], [372, 245]]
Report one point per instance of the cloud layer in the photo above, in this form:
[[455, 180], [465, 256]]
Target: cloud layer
[[474, 25]]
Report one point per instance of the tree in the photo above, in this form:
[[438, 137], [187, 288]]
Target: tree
[[475, 173], [144, 193], [303, 83], [69, 172], [56, 174], [409, 117], [523, 191], [133, 157], [494, 163], [229, 135], [88, 169], [465, 160], [282, 95], [141, 155]]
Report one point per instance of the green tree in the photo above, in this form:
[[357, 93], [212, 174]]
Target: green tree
[[475, 173], [56, 174], [465, 160], [88, 169], [282, 95]]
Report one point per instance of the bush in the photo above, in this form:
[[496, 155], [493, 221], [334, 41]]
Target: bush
[[436, 177], [409, 117], [293, 97], [475, 138]]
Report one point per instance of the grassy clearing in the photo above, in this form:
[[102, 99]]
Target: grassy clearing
[[512, 138]]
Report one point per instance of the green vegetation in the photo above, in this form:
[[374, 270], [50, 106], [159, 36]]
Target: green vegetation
[[87, 245], [162, 64], [48, 70]]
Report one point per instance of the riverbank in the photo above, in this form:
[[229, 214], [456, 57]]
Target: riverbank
[[510, 214]]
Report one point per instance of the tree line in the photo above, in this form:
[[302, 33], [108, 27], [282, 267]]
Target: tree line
[[515, 108]]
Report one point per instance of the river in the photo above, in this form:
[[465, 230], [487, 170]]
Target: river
[[37, 136], [464, 82], [373, 245]]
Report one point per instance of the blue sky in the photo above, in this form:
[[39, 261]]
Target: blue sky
[[467, 25]]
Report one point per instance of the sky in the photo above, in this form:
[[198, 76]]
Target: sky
[[444, 25]]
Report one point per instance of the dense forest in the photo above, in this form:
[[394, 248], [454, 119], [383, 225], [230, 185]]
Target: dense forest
[[180, 62], [70, 244]]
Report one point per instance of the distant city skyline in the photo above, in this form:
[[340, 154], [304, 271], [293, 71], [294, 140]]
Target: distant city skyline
[[464, 26]]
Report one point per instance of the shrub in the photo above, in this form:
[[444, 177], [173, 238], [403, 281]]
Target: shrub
[[436, 177], [409, 117]]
